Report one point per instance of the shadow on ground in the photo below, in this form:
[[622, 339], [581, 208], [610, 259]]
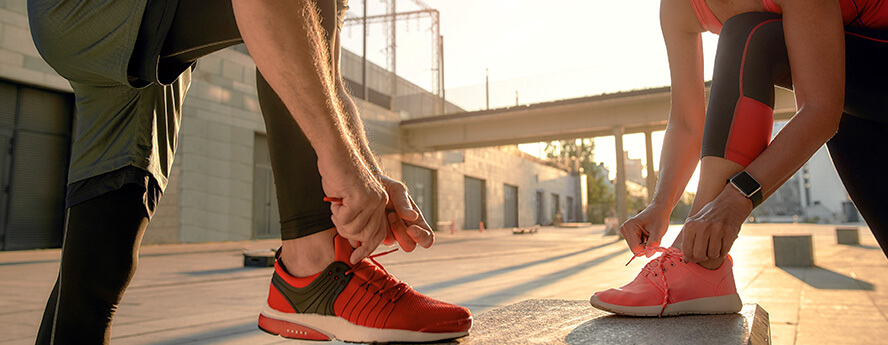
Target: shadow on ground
[[614, 329], [822, 278]]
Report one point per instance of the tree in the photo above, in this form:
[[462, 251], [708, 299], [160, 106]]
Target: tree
[[578, 156]]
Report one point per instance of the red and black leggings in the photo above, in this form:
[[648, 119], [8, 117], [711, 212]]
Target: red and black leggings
[[752, 58]]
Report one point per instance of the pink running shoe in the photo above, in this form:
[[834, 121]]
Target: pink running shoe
[[668, 286]]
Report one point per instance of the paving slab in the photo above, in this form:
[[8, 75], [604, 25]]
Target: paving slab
[[552, 321]]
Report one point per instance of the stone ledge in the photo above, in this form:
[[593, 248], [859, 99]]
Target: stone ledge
[[550, 321]]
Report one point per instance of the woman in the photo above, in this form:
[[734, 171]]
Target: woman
[[836, 52]]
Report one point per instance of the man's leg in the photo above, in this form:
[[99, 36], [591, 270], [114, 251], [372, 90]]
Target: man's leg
[[99, 257]]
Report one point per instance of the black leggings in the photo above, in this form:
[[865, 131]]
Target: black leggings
[[103, 233], [752, 58]]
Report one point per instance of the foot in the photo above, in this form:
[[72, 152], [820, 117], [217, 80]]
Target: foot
[[668, 286], [357, 303]]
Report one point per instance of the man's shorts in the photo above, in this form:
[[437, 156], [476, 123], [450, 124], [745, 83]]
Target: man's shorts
[[129, 63], [121, 120]]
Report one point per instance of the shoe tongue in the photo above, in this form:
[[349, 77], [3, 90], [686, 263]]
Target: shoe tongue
[[343, 249]]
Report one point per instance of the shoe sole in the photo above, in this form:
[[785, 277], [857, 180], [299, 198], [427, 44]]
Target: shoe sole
[[323, 327], [726, 304]]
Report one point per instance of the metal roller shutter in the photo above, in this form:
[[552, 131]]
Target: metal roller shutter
[[476, 207], [35, 174], [421, 182], [510, 212]]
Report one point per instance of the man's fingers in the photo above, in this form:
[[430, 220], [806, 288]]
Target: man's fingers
[[401, 202], [399, 230], [360, 253], [421, 236]]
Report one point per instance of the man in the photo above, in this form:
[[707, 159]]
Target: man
[[129, 63]]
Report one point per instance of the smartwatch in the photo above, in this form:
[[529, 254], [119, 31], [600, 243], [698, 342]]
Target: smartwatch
[[748, 186]]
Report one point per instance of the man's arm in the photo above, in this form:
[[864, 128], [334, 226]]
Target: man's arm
[[287, 45], [407, 226]]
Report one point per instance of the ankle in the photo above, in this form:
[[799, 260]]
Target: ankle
[[305, 256], [713, 264]]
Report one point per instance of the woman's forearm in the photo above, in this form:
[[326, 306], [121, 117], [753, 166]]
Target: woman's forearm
[[678, 160], [792, 148]]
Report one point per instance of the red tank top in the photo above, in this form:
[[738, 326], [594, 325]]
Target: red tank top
[[861, 13]]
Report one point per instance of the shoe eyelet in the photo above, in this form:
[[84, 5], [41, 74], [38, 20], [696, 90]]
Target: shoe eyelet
[[329, 273], [336, 278], [655, 275], [342, 282]]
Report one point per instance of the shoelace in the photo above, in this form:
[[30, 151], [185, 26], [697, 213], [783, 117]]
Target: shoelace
[[398, 287], [657, 267]]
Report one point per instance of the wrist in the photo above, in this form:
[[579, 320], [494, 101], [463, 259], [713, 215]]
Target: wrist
[[747, 186]]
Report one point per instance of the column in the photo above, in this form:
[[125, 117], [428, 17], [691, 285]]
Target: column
[[651, 177], [620, 194]]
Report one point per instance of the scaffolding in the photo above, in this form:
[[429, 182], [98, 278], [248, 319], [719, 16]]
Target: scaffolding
[[389, 21]]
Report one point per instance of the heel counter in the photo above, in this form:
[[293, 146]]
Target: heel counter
[[277, 301]]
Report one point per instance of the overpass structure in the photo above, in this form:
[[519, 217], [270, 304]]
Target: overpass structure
[[615, 114]]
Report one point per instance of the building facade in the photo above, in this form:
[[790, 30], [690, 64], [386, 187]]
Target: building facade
[[221, 187]]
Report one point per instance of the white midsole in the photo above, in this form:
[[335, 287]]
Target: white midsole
[[708, 305], [340, 328]]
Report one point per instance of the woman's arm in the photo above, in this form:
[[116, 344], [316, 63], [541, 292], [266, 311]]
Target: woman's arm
[[684, 131], [815, 45]]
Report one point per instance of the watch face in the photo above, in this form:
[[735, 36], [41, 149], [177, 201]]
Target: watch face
[[745, 183]]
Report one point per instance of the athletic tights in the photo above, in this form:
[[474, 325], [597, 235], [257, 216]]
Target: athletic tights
[[752, 58]]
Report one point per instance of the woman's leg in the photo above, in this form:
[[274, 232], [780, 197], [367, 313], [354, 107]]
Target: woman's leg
[[750, 60], [860, 155], [859, 150]]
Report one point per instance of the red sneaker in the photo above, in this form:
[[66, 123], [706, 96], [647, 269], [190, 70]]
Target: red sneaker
[[360, 303], [668, 286]]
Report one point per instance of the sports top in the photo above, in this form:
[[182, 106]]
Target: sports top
[[860, 13]]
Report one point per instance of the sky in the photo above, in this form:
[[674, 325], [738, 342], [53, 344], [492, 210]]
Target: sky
[[542, 51]]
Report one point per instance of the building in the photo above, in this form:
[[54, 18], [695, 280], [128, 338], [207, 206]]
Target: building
[[813, 194], [221, 187]]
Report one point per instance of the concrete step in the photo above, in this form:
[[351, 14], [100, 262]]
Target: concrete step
[[552, 321]]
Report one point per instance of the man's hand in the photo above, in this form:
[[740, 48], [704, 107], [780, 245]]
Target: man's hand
[[710, 233], [407, 226], [359, 209], [646, 229]]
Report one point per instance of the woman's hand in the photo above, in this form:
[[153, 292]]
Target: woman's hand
[[710, 233], [647, 228]]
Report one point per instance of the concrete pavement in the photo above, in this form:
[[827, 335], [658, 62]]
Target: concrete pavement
[[202, 294]]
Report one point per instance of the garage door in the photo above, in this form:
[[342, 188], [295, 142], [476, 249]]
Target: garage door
[[35, 136]]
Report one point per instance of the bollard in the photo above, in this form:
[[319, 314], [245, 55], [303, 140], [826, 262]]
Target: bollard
[[793, 250], [451, 227], [481, 226], [847, 235]]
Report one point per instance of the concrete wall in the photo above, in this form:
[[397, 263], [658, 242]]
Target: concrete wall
[[19, 59]]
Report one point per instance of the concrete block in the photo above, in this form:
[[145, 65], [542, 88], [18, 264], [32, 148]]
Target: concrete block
[[793, 250], [847, 235], [575, 322]]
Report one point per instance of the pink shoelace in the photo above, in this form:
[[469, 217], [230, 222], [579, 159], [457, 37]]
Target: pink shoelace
[[382, 278], [657, 267]]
